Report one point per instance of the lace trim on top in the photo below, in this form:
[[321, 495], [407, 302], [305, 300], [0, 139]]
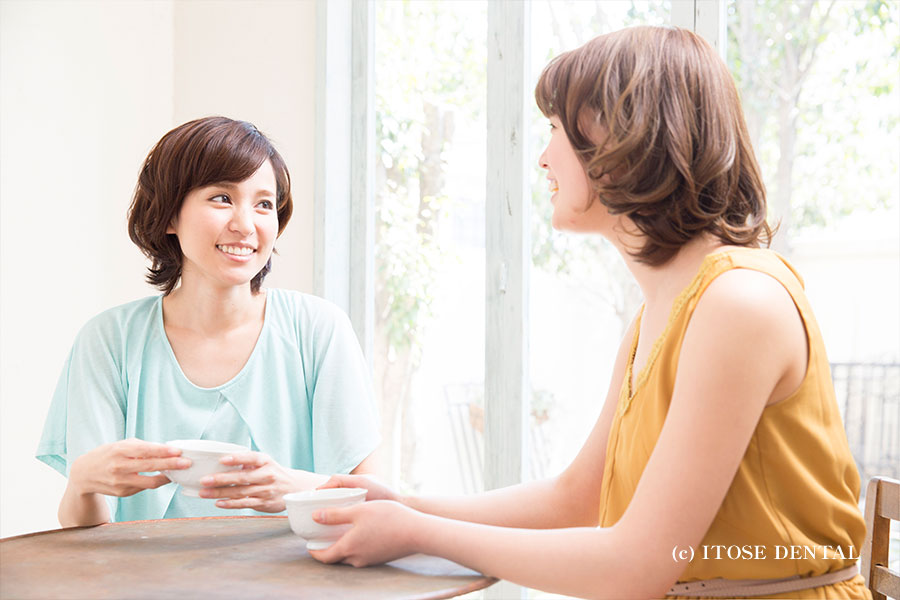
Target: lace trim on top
[[677, 306]]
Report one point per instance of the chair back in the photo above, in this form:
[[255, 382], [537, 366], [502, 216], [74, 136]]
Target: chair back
[[882, 506]]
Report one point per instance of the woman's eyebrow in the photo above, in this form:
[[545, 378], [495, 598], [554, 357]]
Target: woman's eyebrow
[[228, 185]]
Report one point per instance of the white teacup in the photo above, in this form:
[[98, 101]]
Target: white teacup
[[302, 505], [205, 456]]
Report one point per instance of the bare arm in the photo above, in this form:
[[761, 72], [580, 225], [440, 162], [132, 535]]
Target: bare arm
[[368, 466], [569, 499], [727, 372], [113, 470], [79, 508], [566, 500]]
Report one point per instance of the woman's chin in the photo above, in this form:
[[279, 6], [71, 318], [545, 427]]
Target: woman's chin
[[564, 223], [556, 221]]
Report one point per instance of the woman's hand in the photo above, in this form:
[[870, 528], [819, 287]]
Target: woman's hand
[[376, 490], [260, 484], [114, 469], [382, 531]]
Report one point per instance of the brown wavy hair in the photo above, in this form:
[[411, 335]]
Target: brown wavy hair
[[199, 153], [674, 155]]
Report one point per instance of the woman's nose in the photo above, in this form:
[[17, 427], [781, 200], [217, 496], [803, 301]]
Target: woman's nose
[[542, 160], [242, 221]]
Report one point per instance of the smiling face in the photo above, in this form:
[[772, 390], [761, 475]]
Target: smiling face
[[227, 231], [569, 184]]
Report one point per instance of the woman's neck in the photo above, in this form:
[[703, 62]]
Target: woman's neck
[[660, 284], [212, 310]]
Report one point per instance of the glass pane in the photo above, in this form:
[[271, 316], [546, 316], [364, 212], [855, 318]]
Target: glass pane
[[582, 296], [820, 92], [429, 260]]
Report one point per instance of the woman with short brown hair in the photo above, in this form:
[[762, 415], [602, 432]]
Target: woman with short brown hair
[[216, 356], [718, 466]]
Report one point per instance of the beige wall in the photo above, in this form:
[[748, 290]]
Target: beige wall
[[256, 61], [86, 89]]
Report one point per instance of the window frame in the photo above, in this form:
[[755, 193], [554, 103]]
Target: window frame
[[344, 171]]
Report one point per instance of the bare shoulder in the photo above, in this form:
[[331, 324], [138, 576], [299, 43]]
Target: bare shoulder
[[746, 297], [747, 321]]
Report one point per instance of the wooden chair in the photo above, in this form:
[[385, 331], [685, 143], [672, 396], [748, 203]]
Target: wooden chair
[[882, 505]]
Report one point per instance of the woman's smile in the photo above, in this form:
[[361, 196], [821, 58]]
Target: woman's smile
[[236, 252], [554, 187]]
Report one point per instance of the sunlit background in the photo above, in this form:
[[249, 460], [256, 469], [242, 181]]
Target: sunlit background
[[819, 86], [819, 82]]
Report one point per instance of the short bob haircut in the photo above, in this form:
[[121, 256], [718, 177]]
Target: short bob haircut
[[655, 118], [199, 153]]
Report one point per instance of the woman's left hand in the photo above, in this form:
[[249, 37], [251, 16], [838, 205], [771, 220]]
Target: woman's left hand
[[382, 531], [260, 484]]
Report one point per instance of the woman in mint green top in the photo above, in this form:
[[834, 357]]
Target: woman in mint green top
[[215, 357]]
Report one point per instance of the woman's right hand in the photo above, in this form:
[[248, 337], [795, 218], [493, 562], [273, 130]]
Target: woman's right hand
[[114, 469], [376, 489]]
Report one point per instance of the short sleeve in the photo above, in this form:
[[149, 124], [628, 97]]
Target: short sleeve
[[88, 406], [344, 416]]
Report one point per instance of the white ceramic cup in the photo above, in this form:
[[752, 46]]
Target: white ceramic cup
[[302, 505], [205, 456]]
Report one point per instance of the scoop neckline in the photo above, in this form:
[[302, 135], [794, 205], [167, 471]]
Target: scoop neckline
[[250, 359], [633, 383]]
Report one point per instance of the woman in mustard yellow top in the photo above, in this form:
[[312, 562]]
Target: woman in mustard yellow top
[[718, 466]]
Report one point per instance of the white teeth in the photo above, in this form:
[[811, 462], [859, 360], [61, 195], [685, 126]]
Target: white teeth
[[236, 250]]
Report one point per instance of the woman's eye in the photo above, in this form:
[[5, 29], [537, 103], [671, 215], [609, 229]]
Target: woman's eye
[[222, 198], [267, 204]]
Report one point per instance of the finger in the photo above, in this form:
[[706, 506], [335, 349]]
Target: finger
[[330, 555], [355, 562], [335, 481], [149, 465], [247, 459], [146, 482], [155, 481], [256, 503], [121, 492], [239, 503], [239, 478], [138, 447], [263, 492], [334, 516], [135, 448]]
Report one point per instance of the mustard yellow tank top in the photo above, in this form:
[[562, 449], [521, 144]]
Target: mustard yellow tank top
[[795, 492]]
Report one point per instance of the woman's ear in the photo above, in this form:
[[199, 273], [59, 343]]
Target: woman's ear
[[171, 227]]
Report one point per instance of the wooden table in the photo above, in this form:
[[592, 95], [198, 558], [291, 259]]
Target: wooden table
[[216, 557]]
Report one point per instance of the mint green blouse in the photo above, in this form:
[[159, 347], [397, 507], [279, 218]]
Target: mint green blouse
[[304, 397]]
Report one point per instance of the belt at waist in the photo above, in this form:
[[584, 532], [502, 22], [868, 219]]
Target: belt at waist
[[730, 588]]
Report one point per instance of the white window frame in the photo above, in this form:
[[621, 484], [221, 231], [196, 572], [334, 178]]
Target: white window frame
[[345, 213], [706, 17], [507, 245], [344, 197], [507, 391]]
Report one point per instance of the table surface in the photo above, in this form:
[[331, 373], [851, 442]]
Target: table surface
[[215, 557]]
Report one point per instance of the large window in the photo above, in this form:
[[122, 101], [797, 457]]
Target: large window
[[430, 240], [818, 80]]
